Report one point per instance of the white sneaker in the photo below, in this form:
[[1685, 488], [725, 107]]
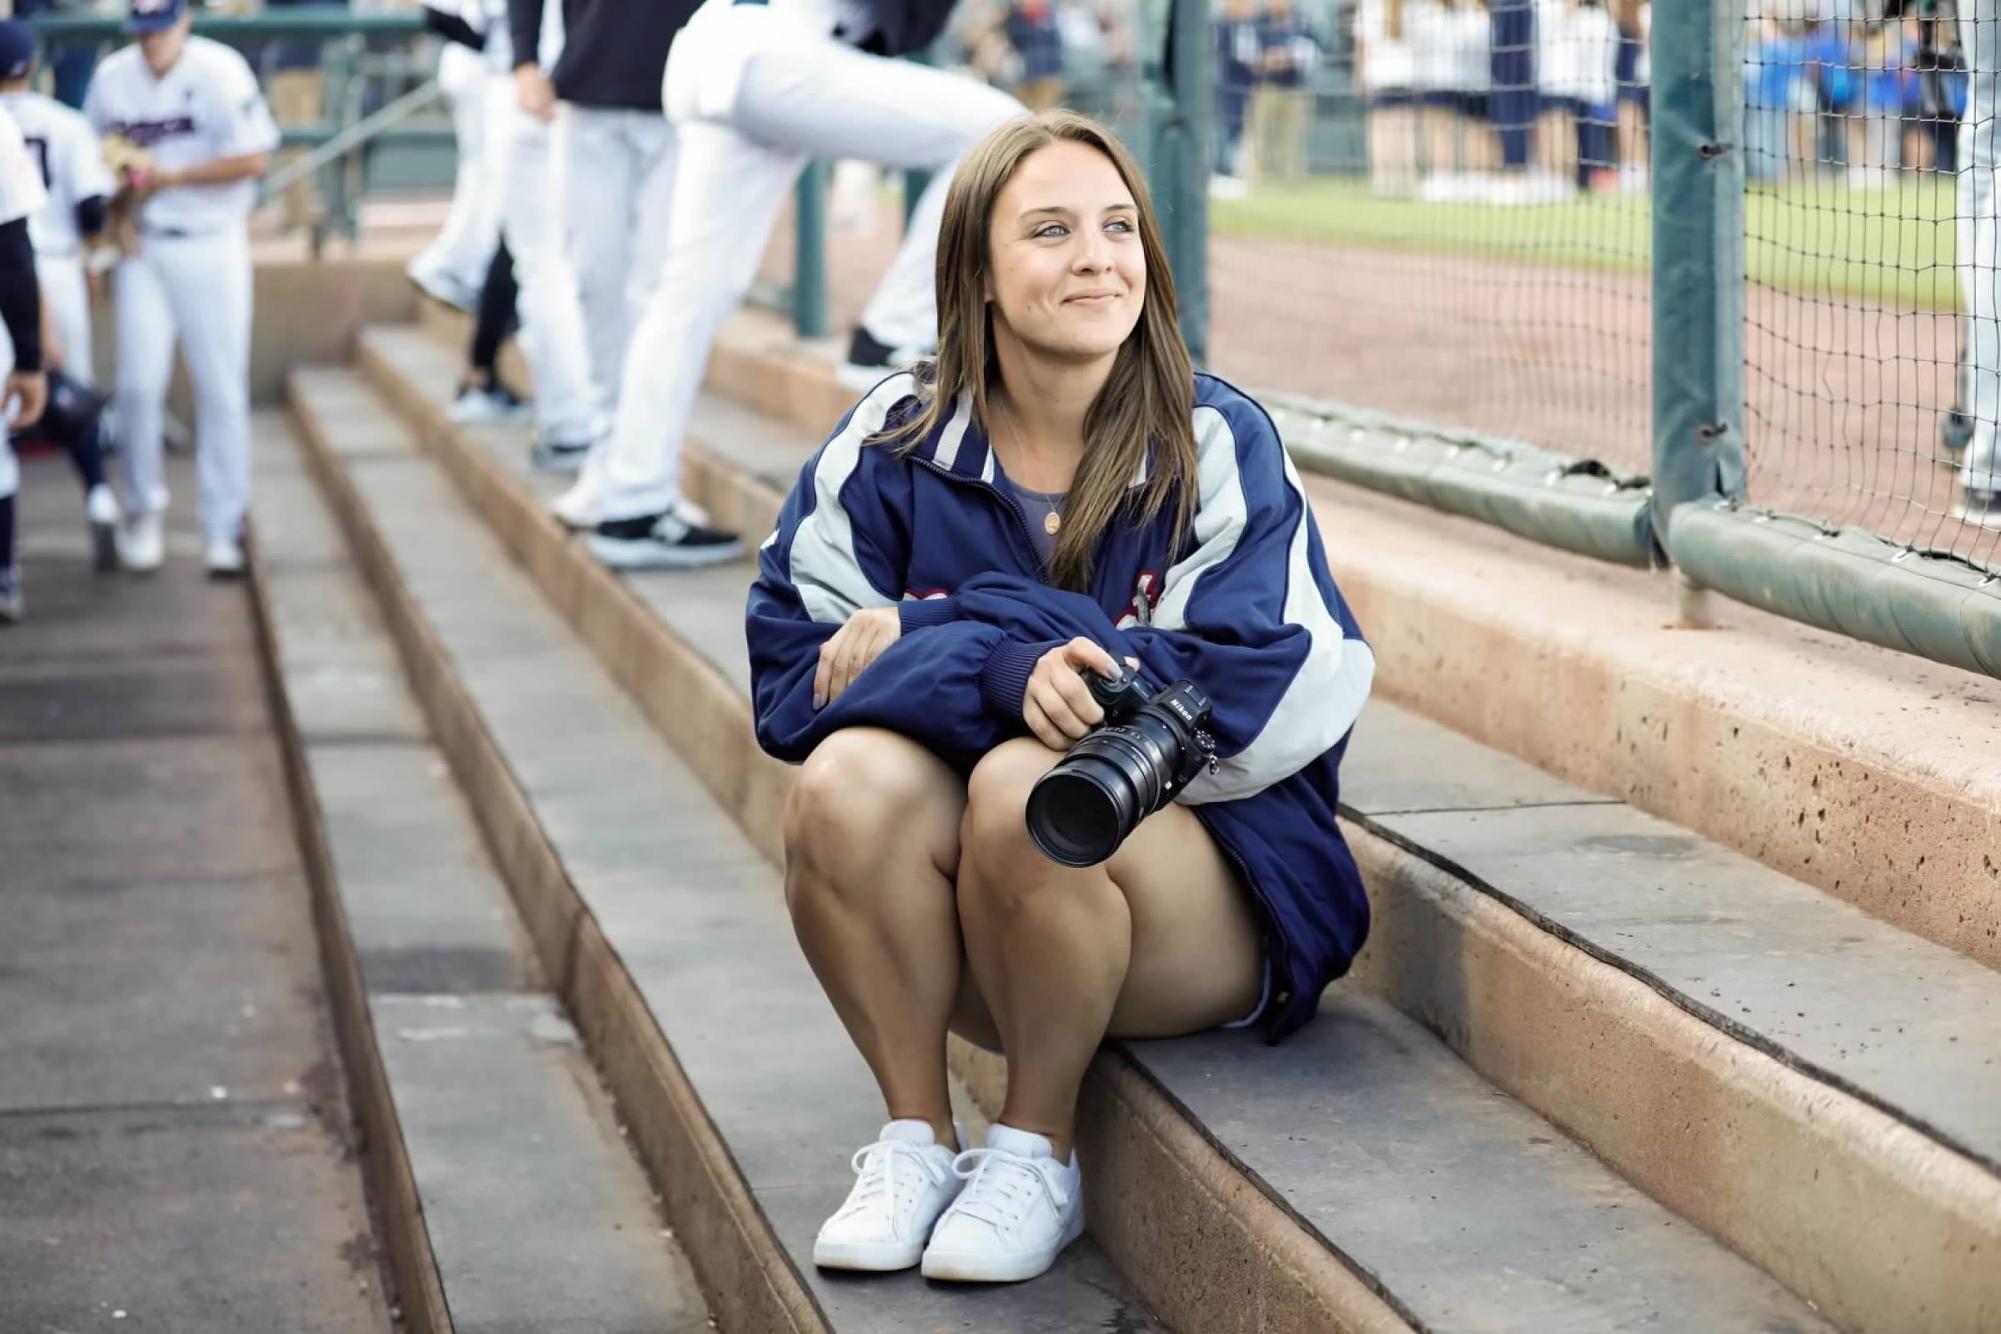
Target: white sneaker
[[903, 1182], [100, 508], [1019, 1209], [143, 543], [224, 557]]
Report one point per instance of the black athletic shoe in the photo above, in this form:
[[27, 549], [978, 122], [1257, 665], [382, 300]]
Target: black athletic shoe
[[558, 455], [870, 360], [666, 541]]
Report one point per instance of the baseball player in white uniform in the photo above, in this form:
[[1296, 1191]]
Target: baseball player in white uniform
[[527, 193], [1980, 259], [755, 90], [71, 161], [615, 151], [21, 197], [195, 107], [452, 268]]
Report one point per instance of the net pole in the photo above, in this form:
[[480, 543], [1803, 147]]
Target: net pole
[[1698, 259], [1181, 163]]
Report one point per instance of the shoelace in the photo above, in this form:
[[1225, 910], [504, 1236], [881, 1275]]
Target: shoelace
[[1000, 1185], [875, 1166]]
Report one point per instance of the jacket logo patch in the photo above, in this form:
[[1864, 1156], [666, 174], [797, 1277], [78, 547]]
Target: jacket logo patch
[[1146, 596]]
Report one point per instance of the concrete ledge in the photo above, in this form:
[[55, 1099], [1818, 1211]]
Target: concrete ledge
[[740, 1266], [1879, 1225], [385, 1157]]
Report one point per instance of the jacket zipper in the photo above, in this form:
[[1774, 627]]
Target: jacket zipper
[[1020, 515]]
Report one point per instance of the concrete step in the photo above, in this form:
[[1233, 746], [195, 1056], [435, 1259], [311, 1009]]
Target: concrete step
[[658, 925], [1156, 1114], [511, 1199]]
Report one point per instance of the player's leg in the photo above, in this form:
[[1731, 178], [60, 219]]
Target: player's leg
[[728, 192], [208, 284], [456, 259], [1979, 240], [145, 339], [67, 297], [12, 601], [827, 100], [554, 340], [598, 194], [651, 144]]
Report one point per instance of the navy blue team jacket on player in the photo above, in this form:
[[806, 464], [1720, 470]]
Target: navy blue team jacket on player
[[1245, 608]]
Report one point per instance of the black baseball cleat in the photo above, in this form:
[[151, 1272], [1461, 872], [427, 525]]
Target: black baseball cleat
[[664, 541]]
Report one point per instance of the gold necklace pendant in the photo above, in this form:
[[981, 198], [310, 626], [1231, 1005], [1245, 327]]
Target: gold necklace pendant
[[1052, 523]]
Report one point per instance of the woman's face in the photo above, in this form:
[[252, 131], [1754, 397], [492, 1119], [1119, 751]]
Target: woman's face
[[1068, 276]]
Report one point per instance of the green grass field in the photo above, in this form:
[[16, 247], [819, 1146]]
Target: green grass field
[[1894, 246]]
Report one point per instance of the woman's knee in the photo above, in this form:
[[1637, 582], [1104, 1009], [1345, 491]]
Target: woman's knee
[[996, 819], [861, 786]]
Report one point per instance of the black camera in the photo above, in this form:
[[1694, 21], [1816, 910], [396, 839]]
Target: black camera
[[1148, 748]]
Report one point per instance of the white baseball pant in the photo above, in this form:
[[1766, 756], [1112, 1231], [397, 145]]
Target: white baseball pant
[[527, 193], [197, 289], [464, 246], [67, 297], [618, 176], [803, 95], [1980, 239]]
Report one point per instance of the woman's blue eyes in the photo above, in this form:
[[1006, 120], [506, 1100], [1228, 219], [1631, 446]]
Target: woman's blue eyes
[[1052, 229]]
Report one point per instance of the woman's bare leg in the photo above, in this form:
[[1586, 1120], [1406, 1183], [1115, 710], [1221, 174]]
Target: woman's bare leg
[[1156, 942], [871, 849]]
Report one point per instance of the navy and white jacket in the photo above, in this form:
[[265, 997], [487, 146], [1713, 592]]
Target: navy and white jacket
[[1244, 607]]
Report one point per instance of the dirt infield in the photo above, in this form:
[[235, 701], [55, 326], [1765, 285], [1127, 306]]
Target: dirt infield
[[1842, 397]]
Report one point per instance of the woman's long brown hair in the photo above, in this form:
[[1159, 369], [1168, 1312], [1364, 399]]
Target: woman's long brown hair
[[1149, 399]]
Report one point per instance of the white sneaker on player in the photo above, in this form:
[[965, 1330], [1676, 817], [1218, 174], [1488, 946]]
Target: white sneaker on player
[[903, 1182], [1019, 1209], [100, 509], [223, 558], [142, 545]]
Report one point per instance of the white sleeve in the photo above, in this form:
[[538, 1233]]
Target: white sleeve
[[84, 161], [22, 193], [241, 122]]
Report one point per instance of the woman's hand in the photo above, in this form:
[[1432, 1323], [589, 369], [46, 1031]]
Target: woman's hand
[[853, 647], [1058, 706]]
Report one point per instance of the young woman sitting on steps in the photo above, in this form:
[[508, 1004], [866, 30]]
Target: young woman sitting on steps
[[1059, 493]]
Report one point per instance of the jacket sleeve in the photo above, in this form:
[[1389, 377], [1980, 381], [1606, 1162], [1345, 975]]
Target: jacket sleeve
[[839, 547], [1250, 614]]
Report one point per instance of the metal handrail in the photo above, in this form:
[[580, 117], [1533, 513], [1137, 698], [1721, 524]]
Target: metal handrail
[[355, 136], [305, 21]]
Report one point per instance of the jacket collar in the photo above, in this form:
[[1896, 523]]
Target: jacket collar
[[961, 448]]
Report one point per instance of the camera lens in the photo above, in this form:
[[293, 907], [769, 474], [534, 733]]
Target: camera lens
[[1080, 811]]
